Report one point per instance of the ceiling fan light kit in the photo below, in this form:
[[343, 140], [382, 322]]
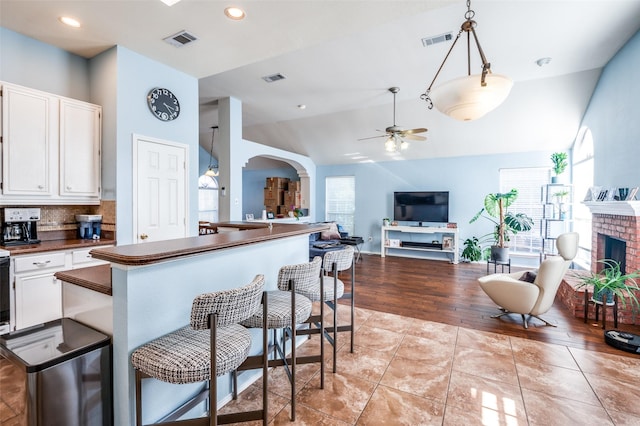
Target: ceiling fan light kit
[[395, 135], [472, 96]]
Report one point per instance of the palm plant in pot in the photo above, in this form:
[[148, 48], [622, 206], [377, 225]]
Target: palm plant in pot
[[506, 223], [611, 281]]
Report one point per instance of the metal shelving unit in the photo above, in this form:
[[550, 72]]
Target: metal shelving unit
[[557, 203]]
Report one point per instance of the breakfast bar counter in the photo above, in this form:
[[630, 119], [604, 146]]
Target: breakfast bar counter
[[96, 278], [159, 251], [153, 287]]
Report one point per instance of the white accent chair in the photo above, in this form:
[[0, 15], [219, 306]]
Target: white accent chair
[[515, 296]]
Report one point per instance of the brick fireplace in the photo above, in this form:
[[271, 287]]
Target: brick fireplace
[[615, 220], [615, 234]]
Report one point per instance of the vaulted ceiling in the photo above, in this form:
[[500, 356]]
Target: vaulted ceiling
[[340, 57]]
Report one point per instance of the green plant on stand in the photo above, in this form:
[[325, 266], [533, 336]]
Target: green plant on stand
[[506, 223], [560, 163], [611, 281]]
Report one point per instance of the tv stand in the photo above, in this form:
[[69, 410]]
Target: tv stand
[[386, 249]]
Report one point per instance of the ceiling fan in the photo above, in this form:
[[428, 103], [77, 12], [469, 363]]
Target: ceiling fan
[[395, 135]]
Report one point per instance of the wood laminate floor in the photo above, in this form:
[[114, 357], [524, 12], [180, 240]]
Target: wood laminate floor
[[441, 292]]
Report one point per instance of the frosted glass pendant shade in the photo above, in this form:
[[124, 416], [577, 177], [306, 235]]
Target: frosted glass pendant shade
[[465, 99], [211, 172]]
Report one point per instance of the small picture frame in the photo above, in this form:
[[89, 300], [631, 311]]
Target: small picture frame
[[270, 215], [249, 216], [447, 243], [602, 195]]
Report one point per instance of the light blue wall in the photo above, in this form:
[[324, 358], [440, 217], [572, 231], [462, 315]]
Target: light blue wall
[[104, 82], [613, 115], [31, 63], [468, 180], [136, 76]]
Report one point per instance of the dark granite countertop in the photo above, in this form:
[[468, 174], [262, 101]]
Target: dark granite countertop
[[53, 245], [97, 278], [159, 251]]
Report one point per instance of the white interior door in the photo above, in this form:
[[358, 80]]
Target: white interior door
[[160, 195]]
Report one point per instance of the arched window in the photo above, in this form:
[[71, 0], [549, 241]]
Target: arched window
[[582, 168], [207, 199]]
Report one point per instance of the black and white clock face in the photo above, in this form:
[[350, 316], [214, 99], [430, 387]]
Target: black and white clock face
[[163, 104]]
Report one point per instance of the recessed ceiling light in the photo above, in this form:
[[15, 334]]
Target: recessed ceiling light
[[302, 106], [169, 2], [67, 20], [235, 13]]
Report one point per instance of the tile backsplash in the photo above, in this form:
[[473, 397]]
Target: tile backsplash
[[63, 218]]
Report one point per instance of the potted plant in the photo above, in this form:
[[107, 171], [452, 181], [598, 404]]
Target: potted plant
[[506, 223], [472, 251], [560, 199], [560, 163], [386, 221], [611, 281]]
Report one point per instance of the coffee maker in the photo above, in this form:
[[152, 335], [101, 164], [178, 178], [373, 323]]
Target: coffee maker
[[19, 226]]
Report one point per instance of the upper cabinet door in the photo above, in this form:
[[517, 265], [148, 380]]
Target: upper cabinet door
[[29, 141], [79, 149]]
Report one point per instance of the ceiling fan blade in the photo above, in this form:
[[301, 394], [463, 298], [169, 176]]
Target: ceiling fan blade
[[414, 137], [373, 137], [414, 131]]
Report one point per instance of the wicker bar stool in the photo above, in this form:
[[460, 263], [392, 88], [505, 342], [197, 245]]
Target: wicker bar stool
[[288, 309], [213, 342]]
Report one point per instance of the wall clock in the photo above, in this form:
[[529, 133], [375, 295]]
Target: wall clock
[[163, 104]]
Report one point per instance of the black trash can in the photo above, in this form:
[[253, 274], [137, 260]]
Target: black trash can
[[57, 373]]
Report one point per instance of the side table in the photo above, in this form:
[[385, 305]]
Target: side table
[[502, 265], [356, 242], [598, 304]]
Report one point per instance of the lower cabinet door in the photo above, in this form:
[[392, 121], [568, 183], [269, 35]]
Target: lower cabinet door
[[38, 300]]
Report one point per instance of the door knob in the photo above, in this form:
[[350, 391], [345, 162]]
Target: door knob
[[143, 236]]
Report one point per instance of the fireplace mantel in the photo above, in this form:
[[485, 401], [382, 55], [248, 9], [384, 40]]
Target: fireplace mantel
[[620, 208]]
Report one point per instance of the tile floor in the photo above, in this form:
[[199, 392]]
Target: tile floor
[[406, 371]]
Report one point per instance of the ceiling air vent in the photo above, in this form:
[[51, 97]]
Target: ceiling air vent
[[428, 41], [180, 39], [274, 77]]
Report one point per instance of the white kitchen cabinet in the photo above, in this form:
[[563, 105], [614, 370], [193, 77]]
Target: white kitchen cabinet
[[50, 148], [79, 149], [37, 294], [82, 259], [38, 299], [29, 141]]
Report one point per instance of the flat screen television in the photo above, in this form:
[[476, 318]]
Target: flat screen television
[[421, 206]]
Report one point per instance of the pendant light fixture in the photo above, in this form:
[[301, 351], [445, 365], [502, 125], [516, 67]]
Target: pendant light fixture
[[472, 96], [212, 171]]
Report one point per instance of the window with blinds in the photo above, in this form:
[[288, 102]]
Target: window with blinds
[[582, 169], [340, 201], [528, 181]]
